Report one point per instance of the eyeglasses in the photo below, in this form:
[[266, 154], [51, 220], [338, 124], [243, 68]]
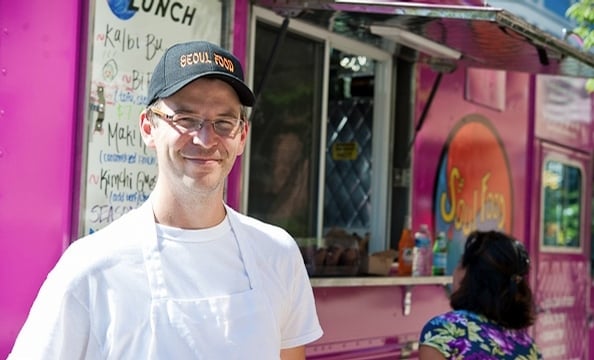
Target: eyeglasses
[[225, 126]]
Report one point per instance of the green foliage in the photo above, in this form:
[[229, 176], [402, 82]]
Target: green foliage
[[582, 12], [590, 85]]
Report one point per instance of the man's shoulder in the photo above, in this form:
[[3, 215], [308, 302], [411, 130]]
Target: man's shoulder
[[113, 234], [103, 248], [271, 240]]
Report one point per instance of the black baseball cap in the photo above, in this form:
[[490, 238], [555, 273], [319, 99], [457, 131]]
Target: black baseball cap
[[185, 62]]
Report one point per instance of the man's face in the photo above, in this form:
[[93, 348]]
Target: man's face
[[194, 157]]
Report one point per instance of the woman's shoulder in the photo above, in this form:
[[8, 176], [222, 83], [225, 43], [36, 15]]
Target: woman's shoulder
[[462, 332], [459, 317], [456, 324]]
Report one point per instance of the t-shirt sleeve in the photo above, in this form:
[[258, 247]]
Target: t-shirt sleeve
[[57, 326], [302, 325]]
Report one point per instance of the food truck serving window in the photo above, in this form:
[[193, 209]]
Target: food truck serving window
[[562, 192], [315, 132]]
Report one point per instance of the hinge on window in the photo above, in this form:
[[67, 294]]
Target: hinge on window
[[100, 108]]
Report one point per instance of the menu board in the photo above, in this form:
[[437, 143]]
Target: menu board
[[129, 37]]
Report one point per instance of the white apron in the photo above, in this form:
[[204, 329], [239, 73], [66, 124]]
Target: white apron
[[237, 326]]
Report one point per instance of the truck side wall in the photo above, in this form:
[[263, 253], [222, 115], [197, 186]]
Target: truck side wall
[[39, 55], [457, 183], [360, 321], [40, 59]]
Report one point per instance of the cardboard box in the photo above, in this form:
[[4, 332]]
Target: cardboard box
[[379, 263]]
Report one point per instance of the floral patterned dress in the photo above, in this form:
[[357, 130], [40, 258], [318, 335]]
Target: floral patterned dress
[[465, 335]]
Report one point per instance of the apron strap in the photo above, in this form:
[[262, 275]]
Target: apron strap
[[152, 255], [245, 248]]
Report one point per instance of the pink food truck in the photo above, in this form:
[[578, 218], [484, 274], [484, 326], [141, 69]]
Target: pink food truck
[[455, 114]]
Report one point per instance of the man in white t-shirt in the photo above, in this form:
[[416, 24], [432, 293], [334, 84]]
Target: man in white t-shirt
[[184, 276]]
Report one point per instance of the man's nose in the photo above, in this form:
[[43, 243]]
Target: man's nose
[[203, 135]]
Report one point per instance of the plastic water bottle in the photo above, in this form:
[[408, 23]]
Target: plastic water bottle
[[421, 265], [440, 254]]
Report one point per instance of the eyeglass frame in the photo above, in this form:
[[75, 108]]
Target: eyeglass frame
[[199, 122]]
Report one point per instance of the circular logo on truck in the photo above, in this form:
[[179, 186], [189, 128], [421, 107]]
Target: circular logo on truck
[[121, 9], [473, 188]]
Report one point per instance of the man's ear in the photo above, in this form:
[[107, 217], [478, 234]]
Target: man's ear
[[146, 129], [244, 137]]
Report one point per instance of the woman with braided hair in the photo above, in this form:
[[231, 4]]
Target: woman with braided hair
[[492, 305]]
